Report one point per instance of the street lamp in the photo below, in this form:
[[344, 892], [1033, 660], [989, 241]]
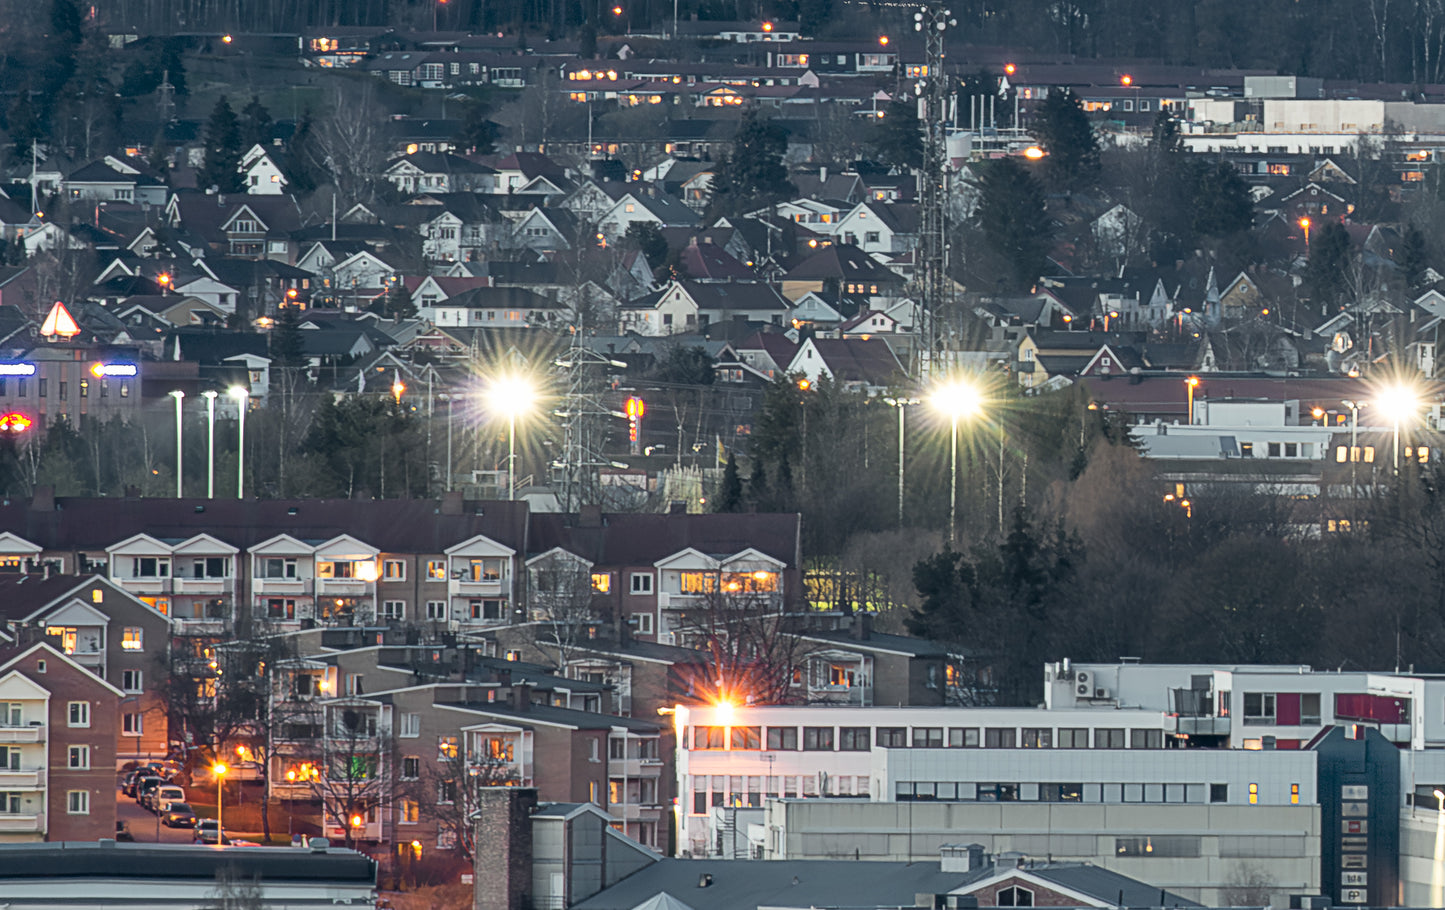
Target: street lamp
[[218, 770], [1191, 384], [210, 443], [900, 404], [956, 398], [1399, 402], [242, 396], [512, 395], [180, 398]]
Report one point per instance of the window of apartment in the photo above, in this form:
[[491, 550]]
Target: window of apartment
[[408, 812], [77, 802], [210, 567], [783, 738], [707, 737], [854, 739], [446, 792], [150, 567], [746, 738], [1173, 845], [1073, 737], [489, 609], [1309, 708], [11, 714], [1038, 738], [998, 793], [602, 582], [132, 724], [411, 725], [928, 737], [393, 570], [644, 623], [393, 609], [1000, 738], [1219, 793], [9, 803], [411, 767], [485, 568], [1259, 708], [9, 758], [1061, 793], [1294, 794], [436, 609], [354, 684], [1146, 739], [130, 680], [280, 608], [78, 758], [436, 570], [79, 714], [1253, 794], [641, 583], [132, 638], [446, 748], [275, 567], [1014, 896], [1273, 449], [1108, 738], [963, 737], [817, 739]]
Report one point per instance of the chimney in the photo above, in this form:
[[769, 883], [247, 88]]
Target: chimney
[[961, 857], [521, 697], [677, 507], [862, 627], [823, 174], [43, 499], [590, 516], [452, 502], [503, 832]]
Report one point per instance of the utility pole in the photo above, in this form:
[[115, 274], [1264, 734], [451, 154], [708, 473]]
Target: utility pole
[[582, 414], [933, 93]]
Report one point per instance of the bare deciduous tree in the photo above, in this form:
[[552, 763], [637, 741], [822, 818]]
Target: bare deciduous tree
[[352, 140]]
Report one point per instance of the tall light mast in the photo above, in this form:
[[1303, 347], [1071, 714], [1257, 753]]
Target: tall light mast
[[932, 266]]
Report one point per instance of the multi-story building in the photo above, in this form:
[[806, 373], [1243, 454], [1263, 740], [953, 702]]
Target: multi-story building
[[109, 631], [58, 733]]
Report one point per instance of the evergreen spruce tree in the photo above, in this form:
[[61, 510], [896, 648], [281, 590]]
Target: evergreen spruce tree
[[729, 495], [221, 167], [1013, 219], [1065, 133], [255, 125]]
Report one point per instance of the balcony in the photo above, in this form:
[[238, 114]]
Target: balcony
[[147, 585], [281, 587], [342, 587], [1204, 726], [634, 767], [22, 780], [201, 627], [460, 587], [34, 733], [22, 824], [88, 657], [634, 812], [202, 585]]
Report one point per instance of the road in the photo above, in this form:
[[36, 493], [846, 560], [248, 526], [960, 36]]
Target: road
[[144, 825]]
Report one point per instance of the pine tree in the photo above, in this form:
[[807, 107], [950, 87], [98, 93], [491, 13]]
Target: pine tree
[[221, 167], [1065, 133], [1327, 273], [729, 495], [478, 135], [752, 174], [1220, 203], [1013, 219], [255, 125], [1412, 260], [303, 160], [898, 137], [287, 347]]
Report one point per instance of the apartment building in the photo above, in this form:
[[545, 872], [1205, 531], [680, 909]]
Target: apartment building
[[58, 733], [216, 566], [739, 756], [109, 631]]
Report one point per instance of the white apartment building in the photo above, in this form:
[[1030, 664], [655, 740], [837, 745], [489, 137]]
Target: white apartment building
[[739, 756]]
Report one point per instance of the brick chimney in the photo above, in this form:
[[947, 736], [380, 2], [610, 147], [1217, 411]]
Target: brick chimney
[[503, 864], [521, 697], [43, 499]]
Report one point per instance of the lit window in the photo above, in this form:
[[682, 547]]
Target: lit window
[[1253, 794], [132, 638], [1294, 794], [601, 582]]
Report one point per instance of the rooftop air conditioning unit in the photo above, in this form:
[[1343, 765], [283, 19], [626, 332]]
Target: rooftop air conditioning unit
[[1101, 693], [1083, 676], [1083, 689]]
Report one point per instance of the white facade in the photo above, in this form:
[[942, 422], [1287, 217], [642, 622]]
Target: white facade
[[1260, 429], [741, 755], [24, 758]]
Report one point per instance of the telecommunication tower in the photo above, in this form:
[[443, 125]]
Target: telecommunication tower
[[933, 91]]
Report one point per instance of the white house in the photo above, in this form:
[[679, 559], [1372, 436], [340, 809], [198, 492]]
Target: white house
[[879, 229], [663, 211], [666, 312], [261, 174]]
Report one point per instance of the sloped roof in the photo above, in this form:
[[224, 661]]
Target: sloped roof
[[844, 262], [712, 262], [736, 295], [859, 360], [642, 539]]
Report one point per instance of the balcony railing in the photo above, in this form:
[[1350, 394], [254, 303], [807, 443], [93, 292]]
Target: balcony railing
[[193, 625], [202, 585], [22, 824], [634, 767], [1204, 726], [276, 586], [34, 733], [145, 585], [22, 780]]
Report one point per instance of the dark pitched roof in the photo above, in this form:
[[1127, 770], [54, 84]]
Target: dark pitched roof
[[843, 262], [736, 295], [859, 360], [641, 540], [22, 595], [501, 298]]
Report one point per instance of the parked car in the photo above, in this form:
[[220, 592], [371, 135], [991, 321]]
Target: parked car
[[145, 786], [178, 815], [208, 831], [162, 797], [132, 781]]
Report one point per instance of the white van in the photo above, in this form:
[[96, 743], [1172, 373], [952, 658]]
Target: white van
[[165, 795]]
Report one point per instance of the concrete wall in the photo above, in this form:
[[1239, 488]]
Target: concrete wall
[[1275, 847]]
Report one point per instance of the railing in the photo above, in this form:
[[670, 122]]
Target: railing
[[34, 733], [201, 585], [22, 780], [1204, 726], [281, 585], [194, 625], [146, 585], [634, 767], [22, 824]]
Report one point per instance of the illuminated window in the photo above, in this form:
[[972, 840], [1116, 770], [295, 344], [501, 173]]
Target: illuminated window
[[699, 582], [707, 737], [601, 582], [1294, 794], [446, 748], [436, 570], [1253, 794]]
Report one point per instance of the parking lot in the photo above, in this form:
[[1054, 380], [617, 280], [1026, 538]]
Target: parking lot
[[145, 826]]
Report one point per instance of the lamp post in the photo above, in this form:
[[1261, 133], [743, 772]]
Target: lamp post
[[180, 398], [1354, 407], [210, 443], [956, 399], [448, 399], [1190, 385], [242, 397], [513, 396], [219, 771], [900, 404], [1399, 402]]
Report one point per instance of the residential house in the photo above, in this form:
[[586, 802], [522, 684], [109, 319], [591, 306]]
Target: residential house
[[494, 307], [843, 272], [715, 302], [665, 312], [428, 172], [880, 229], [261, 174], [639, 207], [867, 365]]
